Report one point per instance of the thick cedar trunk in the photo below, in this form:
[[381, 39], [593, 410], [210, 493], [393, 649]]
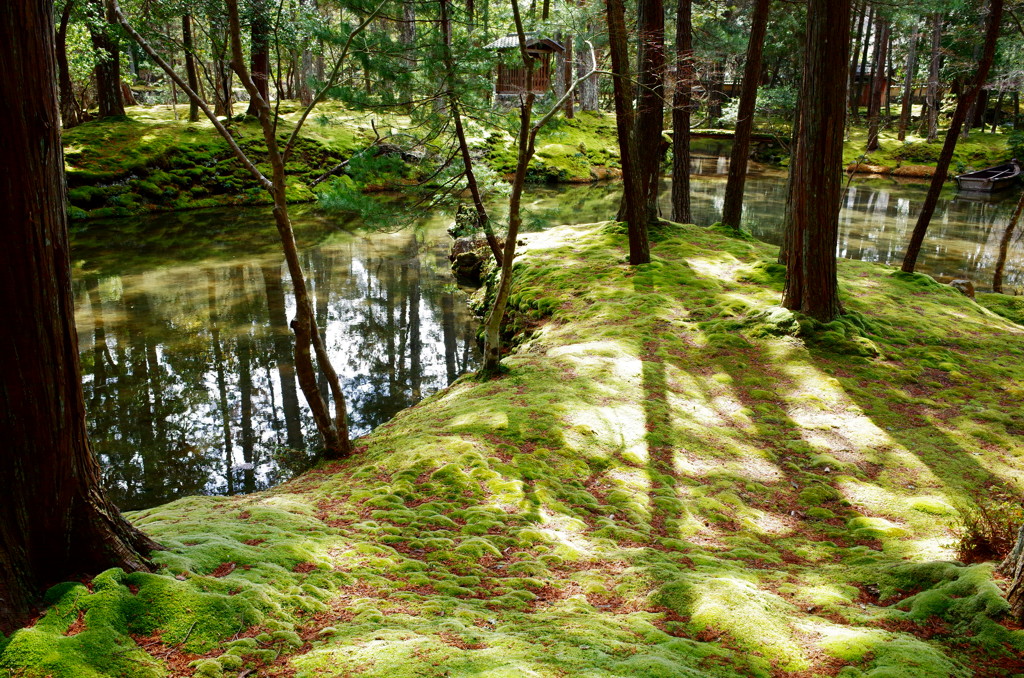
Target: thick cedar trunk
[[1013, 568], [70, 114], [190, 65], [908, 83], [1004, 246], [811, 285], [682, 99], [732, 211], [639, 247], [650, 114], [932, 96], [108, 64], [967, 98], [879, 79], [259, 55], [55, 521]]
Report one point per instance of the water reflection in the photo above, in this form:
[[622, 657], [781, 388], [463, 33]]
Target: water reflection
[[187, 366], [186, 350]]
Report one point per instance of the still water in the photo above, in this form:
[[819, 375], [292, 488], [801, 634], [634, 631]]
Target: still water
[[186, 352]]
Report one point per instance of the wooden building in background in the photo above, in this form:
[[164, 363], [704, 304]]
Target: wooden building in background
[[511, 80]]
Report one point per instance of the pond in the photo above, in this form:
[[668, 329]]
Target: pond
[[186, 353]]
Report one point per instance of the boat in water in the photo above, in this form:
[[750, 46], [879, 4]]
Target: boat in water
[[990, 180]]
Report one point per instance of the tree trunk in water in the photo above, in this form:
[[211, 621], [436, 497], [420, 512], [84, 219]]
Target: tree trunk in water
[[908, 85], [46, 453], [70, 114], [283, 354], [190, 65], [811, 285], [108, 65], [732, 211], [633, 199], [967, 98], [879, 78], [932, 97], [1004, 246], [681, 102], [259, 56]]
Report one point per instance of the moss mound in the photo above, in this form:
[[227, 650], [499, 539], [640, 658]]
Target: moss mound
[[658, 486]]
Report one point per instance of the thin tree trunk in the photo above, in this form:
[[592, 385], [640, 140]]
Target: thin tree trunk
[[682, 100], [55, 521], [811, 283], [968, 97], [862, 72], [190, 65], [639, 246], [259, 55], [732, 211], [932, 97], [908, 84], [785, 248], [70, 113], [1004, 246], [858, 45], [878, 82], [570, 109], [997, 113], [108, 64]]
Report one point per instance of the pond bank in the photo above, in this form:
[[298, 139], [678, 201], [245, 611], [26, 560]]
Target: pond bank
[[152, 161], [674, 478]]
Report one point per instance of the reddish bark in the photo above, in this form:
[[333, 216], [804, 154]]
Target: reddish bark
[[54, 518]]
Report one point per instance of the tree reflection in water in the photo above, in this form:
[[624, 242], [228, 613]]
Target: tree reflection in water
[[183, 318]]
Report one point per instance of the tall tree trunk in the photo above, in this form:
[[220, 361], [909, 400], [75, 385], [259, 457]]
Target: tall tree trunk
[[55, 521], [811, 284], [908, 83], [108, 63], [997, 113], [732, 211], [407, 38], [259, 55], [682, 100], [639, 246], [589, 85], [967, 97], [857, 94], [1004, 247], [570, 109], [879, 81], [932, 96], [190, 65], [650, 115], [858, 44], [70, 113]]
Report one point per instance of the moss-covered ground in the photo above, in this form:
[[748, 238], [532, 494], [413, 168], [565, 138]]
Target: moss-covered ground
[[674, 478], [151, 161]]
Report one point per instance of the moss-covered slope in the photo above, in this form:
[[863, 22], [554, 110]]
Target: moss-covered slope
[[667, 482]]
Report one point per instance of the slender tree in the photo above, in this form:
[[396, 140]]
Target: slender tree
[[639, 246], [70, 113], [879, 81], [963, 105], [1004, 247], [732, 210], [55, 520], [108, 62], [682, 100], [932, 94], [811, 284], [190, 65], [908, 82], [259, 52]]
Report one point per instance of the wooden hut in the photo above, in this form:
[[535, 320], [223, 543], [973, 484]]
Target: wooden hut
[[511, 80]]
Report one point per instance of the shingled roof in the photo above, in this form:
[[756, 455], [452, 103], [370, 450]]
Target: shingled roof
[[511, 41]]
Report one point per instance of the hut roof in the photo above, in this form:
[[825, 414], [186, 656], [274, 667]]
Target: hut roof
[[511, 41]]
